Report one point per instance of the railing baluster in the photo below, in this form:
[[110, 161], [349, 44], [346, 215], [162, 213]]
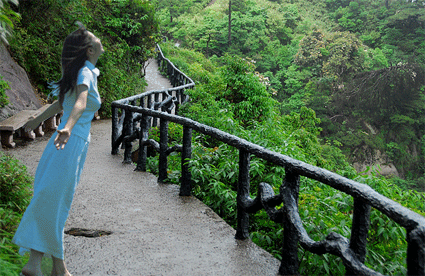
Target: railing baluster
[[142, 102], [148, 106], [178, 97], [359, 231], [186, 178], [134, 123], [243, 192], [154, 119], [163, 146], [128, 130], [416, 251], [144, 136], [115, 133], [163, 98], [289, 264]]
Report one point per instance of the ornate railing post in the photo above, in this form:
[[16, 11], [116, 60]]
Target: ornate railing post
[[243, 192], [359, 231], [115, 130], [290, 263], [134, 122], [416, 251], [127, 131], [176, 108], [186, 185], [154, 119], [163, 146], [144, 136]]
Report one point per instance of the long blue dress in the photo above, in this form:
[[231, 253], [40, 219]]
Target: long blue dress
[[57, 176]]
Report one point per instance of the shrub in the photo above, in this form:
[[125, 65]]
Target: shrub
[[15, 184], [3, 97]]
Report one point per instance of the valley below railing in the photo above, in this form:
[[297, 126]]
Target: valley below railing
[[132, 118]]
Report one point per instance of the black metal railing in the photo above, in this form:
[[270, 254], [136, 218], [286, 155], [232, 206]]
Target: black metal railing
[[140, 112]]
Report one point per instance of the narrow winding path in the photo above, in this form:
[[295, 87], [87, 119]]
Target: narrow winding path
[[154, 230]]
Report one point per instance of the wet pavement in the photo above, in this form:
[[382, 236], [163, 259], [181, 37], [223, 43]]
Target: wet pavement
[[154, 230]]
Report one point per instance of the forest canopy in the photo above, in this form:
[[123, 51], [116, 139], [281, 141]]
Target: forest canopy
[[343, 59]]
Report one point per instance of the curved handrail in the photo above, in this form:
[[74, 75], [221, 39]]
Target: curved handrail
[[352, 252]]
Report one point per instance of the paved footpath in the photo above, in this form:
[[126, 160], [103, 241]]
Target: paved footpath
[[154, 230]]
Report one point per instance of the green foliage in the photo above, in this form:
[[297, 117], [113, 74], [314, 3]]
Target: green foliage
[[128, 30], [253, 26], [385, 232], [335, 55], [135, 23], [7, 16], [248, 96], [404, 29], [3, 97], [14, 182], [322, 209], [213, 175], [15, 185], [313, 53]]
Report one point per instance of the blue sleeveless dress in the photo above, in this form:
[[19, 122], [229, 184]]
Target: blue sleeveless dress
[[57, 176]]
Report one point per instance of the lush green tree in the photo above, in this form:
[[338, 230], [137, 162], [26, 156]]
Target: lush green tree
[[335, 55], [170, 10], [244, 89], [387, 92], [405, 31], [135, 23]]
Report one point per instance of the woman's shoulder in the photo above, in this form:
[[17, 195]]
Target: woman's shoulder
[[86, 73], [85, 70], [85, 76]]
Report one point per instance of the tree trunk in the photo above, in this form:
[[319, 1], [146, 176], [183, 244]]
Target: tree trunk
[[230, 23], [208, 42]]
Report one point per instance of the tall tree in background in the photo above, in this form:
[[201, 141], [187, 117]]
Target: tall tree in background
[[388, 92], [229, 39]]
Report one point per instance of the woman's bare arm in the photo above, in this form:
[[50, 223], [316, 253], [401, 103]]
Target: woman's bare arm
[[78, 109], [51, 111]]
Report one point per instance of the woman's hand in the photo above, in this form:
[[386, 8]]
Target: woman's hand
[[31, 124], [62, 138]]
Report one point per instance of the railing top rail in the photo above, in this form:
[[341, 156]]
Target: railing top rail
[[174, 67], [152, 92], [190, 84], [400, 214]]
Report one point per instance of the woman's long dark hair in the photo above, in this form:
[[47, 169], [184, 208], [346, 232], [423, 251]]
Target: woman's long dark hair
[[74, 55]]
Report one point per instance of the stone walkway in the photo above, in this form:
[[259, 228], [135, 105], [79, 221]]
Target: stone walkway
[[154, 230]]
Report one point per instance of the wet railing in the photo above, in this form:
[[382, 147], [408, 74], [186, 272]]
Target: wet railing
[[132, 118]]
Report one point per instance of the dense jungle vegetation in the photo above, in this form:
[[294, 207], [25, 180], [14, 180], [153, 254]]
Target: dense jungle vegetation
[[357, 64], [328, 82]]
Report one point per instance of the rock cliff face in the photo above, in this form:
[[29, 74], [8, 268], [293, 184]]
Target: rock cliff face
[[376, 161], [21, 94], [371, 160]]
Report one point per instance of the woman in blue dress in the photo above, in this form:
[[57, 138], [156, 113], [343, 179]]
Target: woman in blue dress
[[41, 229]]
